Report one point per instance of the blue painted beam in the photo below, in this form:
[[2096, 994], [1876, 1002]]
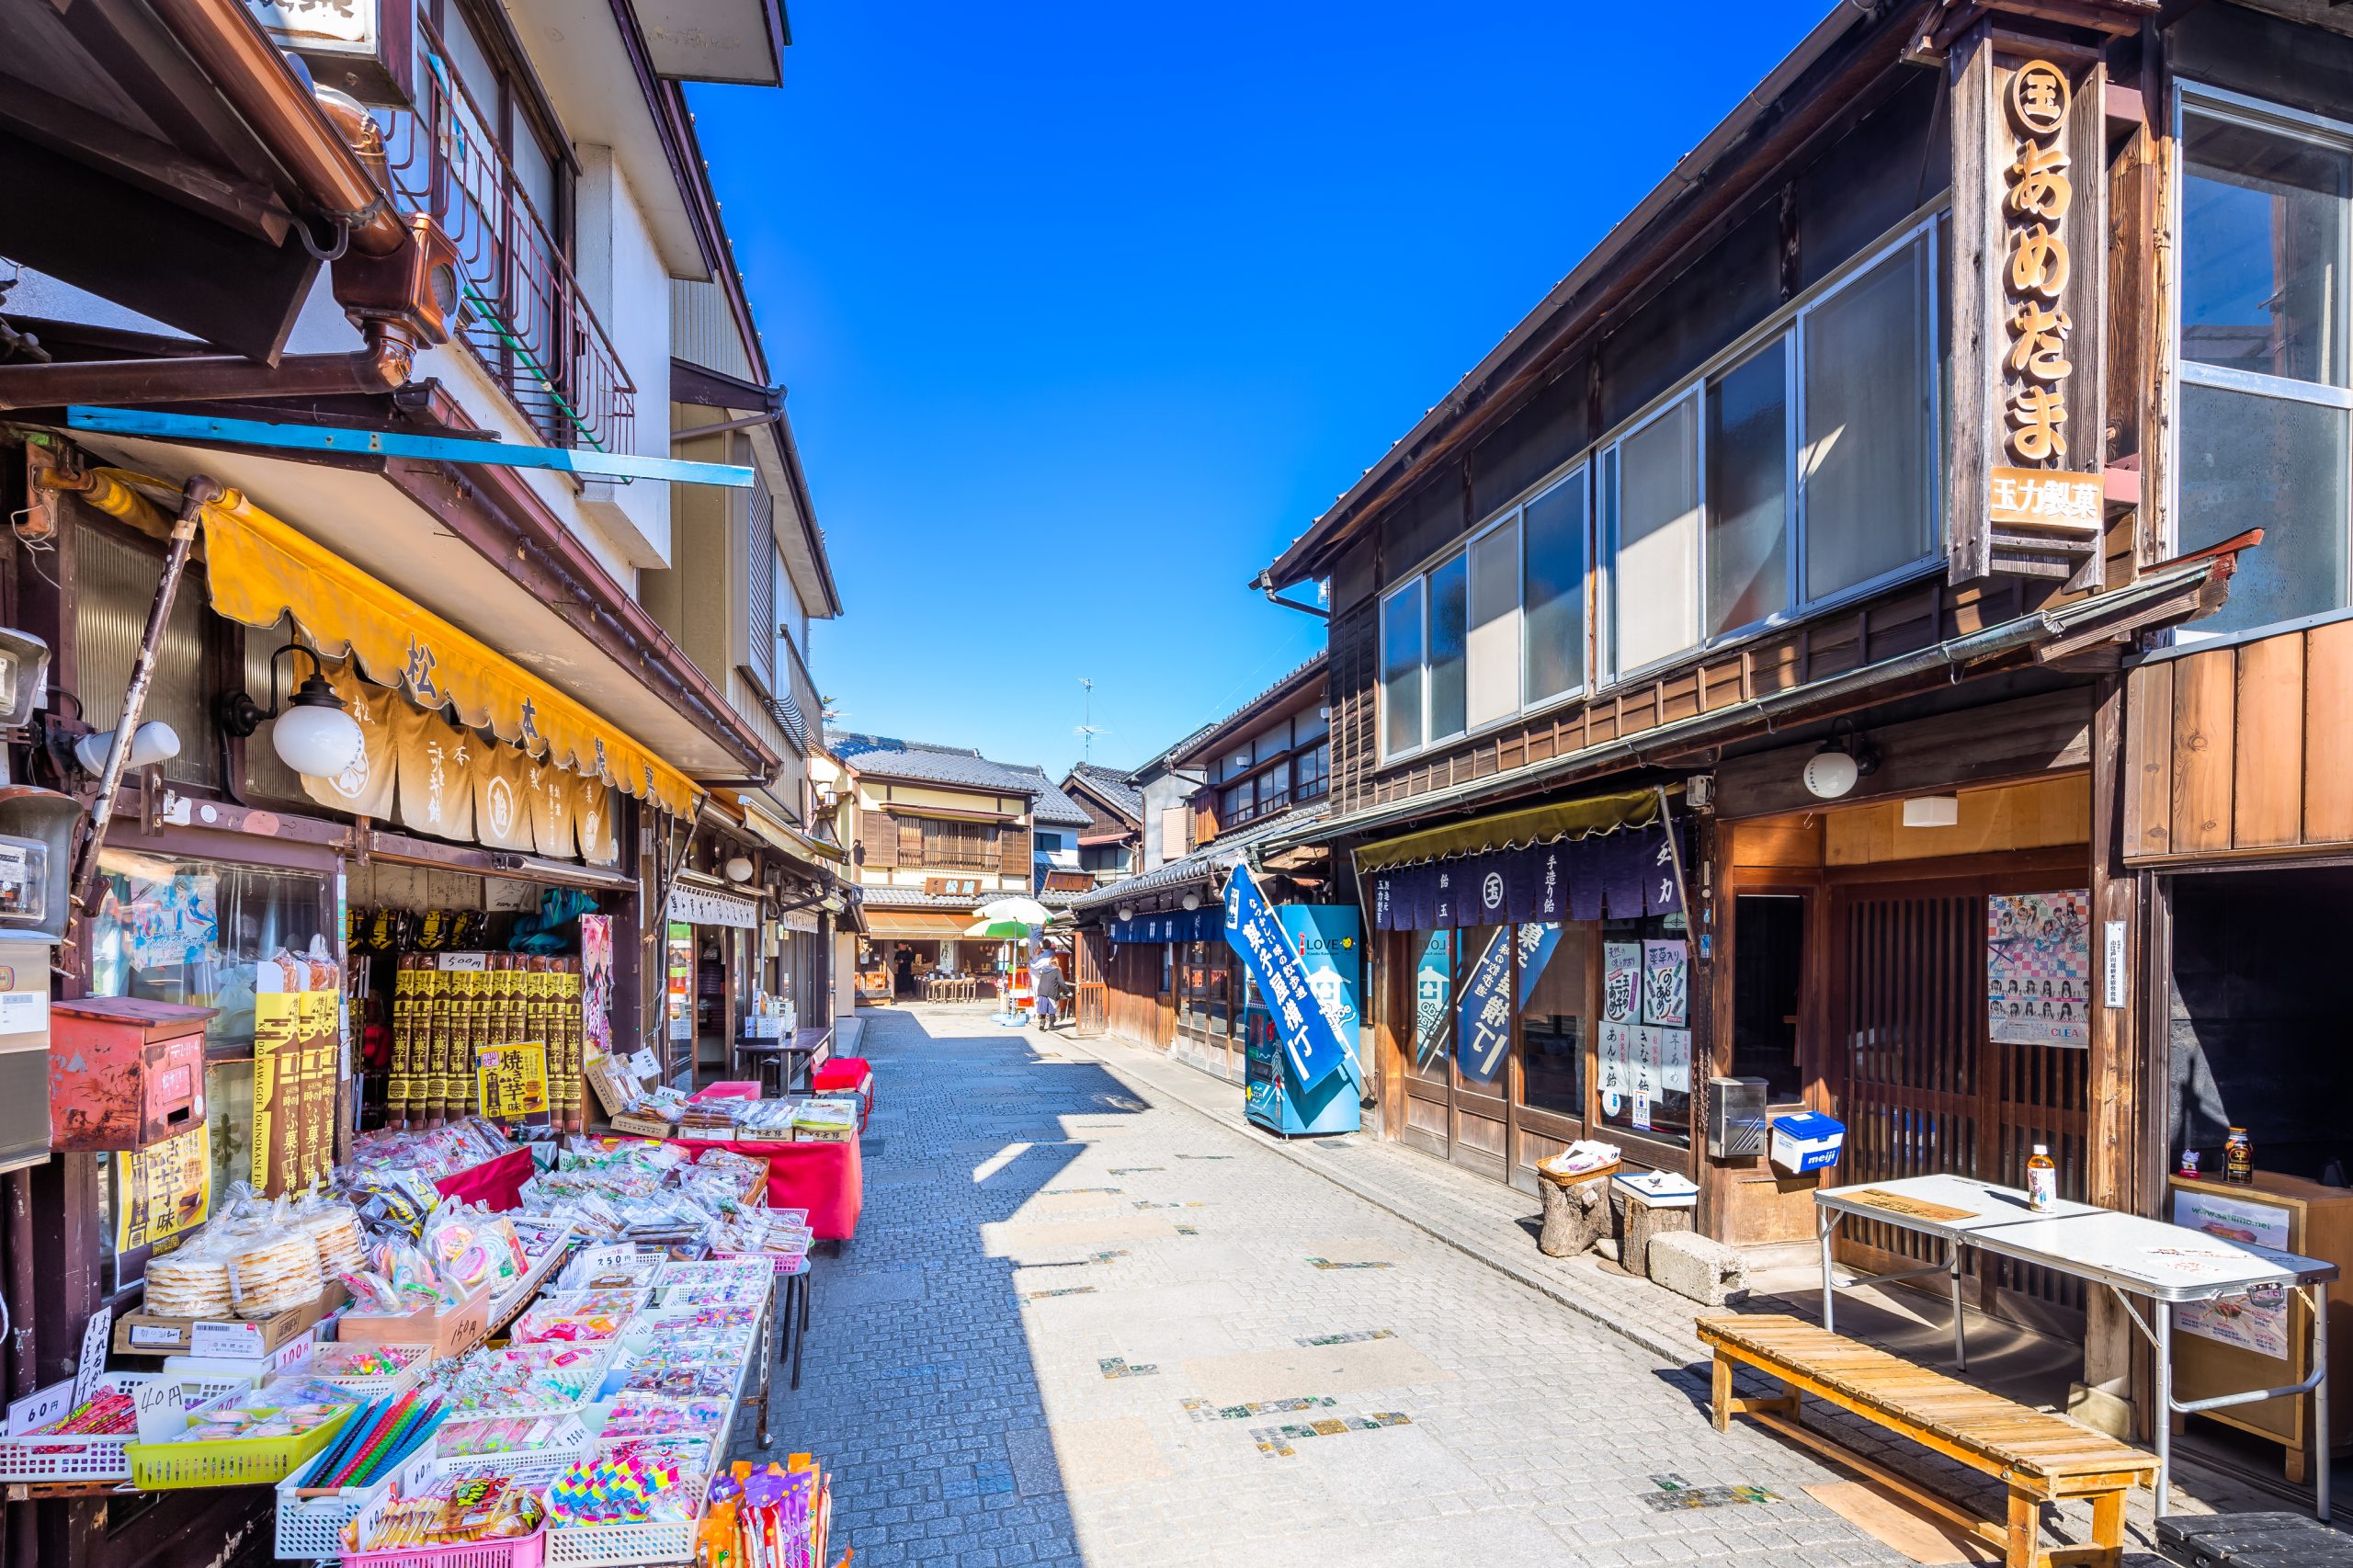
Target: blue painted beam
[[587, 464]]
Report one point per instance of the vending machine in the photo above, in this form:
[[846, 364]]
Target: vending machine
[[1329, 942]]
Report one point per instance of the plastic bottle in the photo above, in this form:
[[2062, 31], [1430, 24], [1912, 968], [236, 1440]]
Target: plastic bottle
[[2041, 1180]]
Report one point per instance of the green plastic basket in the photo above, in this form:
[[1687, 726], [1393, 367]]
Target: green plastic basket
[[228, 1461]]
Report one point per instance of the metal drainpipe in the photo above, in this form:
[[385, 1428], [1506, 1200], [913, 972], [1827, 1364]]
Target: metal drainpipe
[[199, 492]]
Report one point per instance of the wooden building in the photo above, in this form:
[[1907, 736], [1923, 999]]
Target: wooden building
[[450, 230], [1841, 534], [1110, 846], [1153, 964]]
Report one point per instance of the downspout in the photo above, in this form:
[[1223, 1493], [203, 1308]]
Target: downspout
[[199, 492]]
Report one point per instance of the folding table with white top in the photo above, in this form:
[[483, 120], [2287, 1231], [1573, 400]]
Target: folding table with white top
[[2168, 1265]]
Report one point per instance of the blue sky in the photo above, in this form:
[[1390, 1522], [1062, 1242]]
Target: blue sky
[[1086, 311]]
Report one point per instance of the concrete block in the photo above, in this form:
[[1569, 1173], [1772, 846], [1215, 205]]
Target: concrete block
[[1698, 1267]]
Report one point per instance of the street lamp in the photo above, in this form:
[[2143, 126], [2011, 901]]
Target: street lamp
[[314, 736]]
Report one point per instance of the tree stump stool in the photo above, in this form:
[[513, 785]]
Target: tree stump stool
[[1577, 1213], [1643, 1220]]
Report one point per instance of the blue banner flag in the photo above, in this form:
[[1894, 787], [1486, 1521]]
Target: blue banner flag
[[1483, 1016], [1310, 1041]]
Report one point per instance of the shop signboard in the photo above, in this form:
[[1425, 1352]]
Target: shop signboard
[[1312, 1045], [163, 1189], [710, 907], [511, 1081], [2257, 1321]]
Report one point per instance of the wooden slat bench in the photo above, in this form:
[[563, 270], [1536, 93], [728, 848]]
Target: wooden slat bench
[[2040, 1457]]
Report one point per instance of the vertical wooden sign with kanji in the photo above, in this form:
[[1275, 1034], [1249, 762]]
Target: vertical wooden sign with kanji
[[2030, 242]]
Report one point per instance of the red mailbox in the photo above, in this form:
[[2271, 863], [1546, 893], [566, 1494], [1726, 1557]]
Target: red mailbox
[[124, 1073]]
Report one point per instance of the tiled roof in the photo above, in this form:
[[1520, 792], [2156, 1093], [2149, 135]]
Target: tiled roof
[[1296, 673], [1115, 785], [1201, 866], [935, 765], [915, 897], [1053, 809]]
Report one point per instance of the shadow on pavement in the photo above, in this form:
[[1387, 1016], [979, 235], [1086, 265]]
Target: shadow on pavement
[[918, 1389]]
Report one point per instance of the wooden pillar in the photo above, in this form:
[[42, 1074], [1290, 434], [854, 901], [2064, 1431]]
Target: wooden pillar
[[2113, 1152]]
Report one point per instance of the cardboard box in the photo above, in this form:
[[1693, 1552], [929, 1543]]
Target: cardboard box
[[449, 1333], [643, 1126], [149, 1333]]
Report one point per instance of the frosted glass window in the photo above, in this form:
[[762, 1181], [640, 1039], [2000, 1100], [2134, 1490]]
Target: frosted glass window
[[1493, 638], [1868, 441], [1749, 508], [1554, 533], [1657, 563], [1448, 613], [1400, 669]]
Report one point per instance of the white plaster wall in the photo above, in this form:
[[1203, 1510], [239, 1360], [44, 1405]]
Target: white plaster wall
[[629, 287]]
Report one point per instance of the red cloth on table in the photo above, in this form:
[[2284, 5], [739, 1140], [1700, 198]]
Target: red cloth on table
[[497, 1185], [731, 1089], [847, 1072], [827, 1179]]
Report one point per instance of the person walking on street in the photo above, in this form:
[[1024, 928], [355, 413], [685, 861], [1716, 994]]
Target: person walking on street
[[1048, 977]]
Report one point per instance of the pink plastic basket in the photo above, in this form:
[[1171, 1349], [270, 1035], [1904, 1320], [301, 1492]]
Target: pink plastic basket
[[523, 1552]]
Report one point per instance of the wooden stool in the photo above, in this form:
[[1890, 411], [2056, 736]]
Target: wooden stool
[[1576, 1211]]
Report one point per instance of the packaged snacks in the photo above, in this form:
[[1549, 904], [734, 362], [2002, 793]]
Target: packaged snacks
[[622, 1486], [190, 1283], [458, 1509], [271, 1273], [577, 1317], [500, 1435], [658, 1416]]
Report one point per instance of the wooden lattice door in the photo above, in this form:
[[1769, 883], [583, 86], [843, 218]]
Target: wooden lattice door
[[1923, 1090]]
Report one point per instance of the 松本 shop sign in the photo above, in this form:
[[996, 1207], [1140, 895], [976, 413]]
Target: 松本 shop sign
[[2029, 264]]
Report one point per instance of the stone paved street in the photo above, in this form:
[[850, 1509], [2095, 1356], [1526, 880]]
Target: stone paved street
[[1065, 1302]]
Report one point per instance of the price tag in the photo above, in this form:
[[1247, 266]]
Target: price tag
[[644, 1063], [37, 1410], [162, 1416], [153, 1335], [93, 1363], [236, 1339]]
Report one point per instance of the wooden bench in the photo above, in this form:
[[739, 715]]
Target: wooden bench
[[2040, 1457]]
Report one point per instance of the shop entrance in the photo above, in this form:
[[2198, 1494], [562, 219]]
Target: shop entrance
[[1922, 1084]]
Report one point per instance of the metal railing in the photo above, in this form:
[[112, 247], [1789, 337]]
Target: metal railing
[[522, 312]]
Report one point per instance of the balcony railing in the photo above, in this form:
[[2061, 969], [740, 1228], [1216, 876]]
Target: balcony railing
[[522, 312]]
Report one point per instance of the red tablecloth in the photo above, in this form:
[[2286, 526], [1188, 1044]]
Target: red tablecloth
[[496, 1184], [731, 1089], [827, 1179]]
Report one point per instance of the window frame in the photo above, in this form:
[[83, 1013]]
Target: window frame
[[2252, 113], [1923, 225]]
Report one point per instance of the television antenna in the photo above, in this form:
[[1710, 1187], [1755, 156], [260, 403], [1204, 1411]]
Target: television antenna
[[1087, 729]]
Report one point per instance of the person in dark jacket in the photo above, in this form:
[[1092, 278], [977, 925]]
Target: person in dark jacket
[[1047, 975]]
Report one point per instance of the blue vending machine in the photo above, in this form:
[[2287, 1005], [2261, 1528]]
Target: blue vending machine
[[1329, 944]]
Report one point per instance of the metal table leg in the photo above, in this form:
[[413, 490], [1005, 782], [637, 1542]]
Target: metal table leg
[[767, 1366], [1960, 1349], [2163, 1315], [1826, 1224], [802, 1337], [2320, 1399]]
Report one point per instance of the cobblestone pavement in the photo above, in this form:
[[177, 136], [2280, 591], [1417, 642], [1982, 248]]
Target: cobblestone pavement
[[1084, 1323]]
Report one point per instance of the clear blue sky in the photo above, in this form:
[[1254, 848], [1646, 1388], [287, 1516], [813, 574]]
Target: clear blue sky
[[1088, 309]]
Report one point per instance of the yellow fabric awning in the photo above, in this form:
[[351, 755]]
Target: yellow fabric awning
[[1537, 824], [263, 570]]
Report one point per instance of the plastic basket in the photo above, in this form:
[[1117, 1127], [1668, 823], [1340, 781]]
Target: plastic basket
[[228, 1461], [370, 1389], [73, 1455], [311, 1528], [523, 1552], [574, 1441], [622, 1546]]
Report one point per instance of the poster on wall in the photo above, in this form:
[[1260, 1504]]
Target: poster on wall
[[2039, 967], [1621, 982], [2257, 1323], [1617, 1053], [163, 1190], [511, 1081], [1667, 984], [297, 1042], [1432, 987], [1483, 1033]]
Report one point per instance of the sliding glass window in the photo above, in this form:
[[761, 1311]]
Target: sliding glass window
[[2264, 400]]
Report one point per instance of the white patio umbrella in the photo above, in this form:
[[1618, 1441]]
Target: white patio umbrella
[[1019, 910]]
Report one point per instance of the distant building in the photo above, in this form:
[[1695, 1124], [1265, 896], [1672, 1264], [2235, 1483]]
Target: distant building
[[1111, 844]]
